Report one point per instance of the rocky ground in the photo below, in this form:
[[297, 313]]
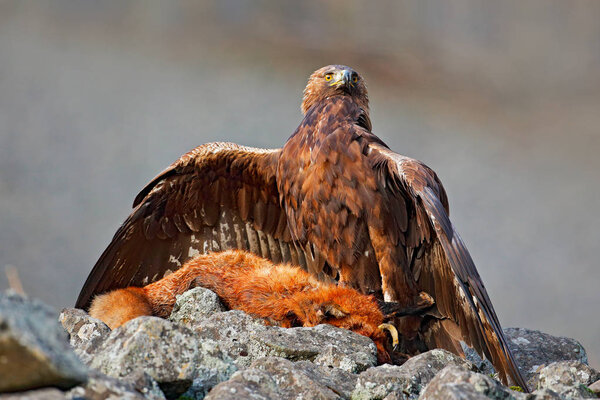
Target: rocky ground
[[203, 351]]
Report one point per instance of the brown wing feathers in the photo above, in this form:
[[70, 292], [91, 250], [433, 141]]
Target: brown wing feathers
[[216, 197], [448, 272]]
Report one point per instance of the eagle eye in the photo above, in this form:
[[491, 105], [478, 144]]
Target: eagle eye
[[328, 77], [354, 78]]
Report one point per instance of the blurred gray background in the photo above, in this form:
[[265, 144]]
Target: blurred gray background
[[502, 99]]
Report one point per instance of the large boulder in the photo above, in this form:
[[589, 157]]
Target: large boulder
[[278, 378], [407, 380], [34, 347], [171, 354]]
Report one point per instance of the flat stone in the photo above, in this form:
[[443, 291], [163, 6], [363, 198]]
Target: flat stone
[[34, 348], [85, 333], [407, 380], [324, 344]]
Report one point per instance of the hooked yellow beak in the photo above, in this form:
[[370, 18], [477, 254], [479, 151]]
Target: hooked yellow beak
[[342, 78]]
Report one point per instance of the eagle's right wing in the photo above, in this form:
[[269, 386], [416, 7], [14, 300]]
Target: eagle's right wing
[[218, 196]]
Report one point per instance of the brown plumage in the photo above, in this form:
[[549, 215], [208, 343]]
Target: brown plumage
[[335, 200], [281, 294]]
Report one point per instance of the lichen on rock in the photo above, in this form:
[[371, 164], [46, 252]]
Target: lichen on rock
[[278, 378], [456, 382], [567, 378], [194, 306], [409, 379], [86, 333], [532, 349], [169, 353]]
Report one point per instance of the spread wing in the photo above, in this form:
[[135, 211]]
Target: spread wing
[[218, 196], [443, 267]]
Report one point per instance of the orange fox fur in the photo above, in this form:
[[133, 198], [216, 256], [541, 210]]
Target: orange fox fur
[[281, 294]]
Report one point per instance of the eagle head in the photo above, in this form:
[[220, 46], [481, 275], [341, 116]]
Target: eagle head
[[334, 80]]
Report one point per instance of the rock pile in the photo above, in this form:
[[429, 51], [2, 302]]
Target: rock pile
[[203, 351]]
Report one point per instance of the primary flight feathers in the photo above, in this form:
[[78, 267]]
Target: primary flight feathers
[[334, 200]]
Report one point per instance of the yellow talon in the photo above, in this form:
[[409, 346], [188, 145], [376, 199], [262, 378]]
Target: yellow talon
[[393, 331]]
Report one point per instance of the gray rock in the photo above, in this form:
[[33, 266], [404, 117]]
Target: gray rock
[[483, 365], [460, 391], [34, 347], [532, 349], [246, 384], [324, 344], [455, 382], [246, 339], [145, 384], [39, 394], [169, 353], [85, 333], [407, 380], [395, 396], [545, 394], [290, 376], [278, 378], [101, 387], [194, 306], [569, 379], [237, 333]]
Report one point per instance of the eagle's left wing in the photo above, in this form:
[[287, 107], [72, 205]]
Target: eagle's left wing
[[445, 269]]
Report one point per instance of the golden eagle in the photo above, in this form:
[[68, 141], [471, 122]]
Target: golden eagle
[[334, 200]]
